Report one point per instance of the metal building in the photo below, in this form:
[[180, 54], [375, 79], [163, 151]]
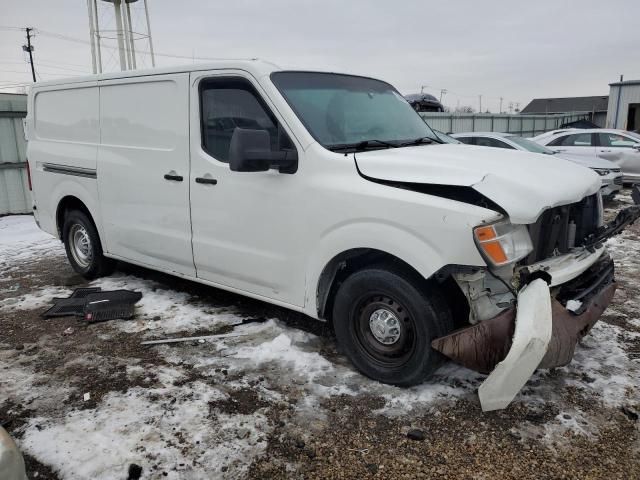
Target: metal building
[[594, 108], [624, 105], [14, 191]]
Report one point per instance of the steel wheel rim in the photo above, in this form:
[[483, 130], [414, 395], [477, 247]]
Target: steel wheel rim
[[388, 349], [80, 245]]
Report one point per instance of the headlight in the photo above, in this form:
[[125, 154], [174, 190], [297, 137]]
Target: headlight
[[502, 243], [602, 171]]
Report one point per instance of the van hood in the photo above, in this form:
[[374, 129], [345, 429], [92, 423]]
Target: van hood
[[523, 184]]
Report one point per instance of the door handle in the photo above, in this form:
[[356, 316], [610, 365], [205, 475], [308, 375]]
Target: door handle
[[605, 151], [173, 177], [206, 181]]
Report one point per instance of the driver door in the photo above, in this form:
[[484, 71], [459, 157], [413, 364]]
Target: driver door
[[248, 228]]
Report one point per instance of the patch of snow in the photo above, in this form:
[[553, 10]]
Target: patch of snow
[[21, 239], [20, 384], [31, 301], [602, 357], [283, 349], [173, 311], [159, 429]]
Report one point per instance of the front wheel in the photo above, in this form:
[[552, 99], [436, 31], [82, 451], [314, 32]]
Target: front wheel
[[83, 247], [385, 321]]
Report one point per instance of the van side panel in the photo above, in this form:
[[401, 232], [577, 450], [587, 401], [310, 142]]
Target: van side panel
[[62, 149], [144, 136]]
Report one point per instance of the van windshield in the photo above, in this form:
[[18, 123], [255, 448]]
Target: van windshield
[[350, 112]]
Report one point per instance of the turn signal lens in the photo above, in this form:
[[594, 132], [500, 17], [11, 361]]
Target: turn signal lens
[[502, 243]]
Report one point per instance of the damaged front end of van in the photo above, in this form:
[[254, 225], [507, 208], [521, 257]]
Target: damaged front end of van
[[531, 313]]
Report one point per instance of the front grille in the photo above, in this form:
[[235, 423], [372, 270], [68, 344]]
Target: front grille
[[617, 180], [559, 229]]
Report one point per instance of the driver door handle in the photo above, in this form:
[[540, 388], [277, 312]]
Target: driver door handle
[[605, 151], [206, 181]]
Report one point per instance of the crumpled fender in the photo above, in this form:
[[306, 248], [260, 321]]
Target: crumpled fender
[[531, 337]]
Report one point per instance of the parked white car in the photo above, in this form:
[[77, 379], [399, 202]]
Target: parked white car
[[610, 173], [327, 194], [618, 146]]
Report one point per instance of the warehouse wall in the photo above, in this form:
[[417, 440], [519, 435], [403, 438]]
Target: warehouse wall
[[14, 191], [524, 125], [630, 94]]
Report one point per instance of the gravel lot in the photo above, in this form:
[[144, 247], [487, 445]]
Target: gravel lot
[[272, 398]]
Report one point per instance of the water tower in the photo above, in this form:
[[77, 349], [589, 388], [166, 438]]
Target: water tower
[[120, 35]]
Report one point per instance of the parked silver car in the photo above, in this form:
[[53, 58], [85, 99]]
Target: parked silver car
[[611, 173], [618, 146]]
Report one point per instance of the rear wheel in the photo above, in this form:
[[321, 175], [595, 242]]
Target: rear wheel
[[83, 246], [385, 319]]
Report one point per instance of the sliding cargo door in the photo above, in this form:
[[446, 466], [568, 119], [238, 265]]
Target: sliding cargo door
[[143, 170]]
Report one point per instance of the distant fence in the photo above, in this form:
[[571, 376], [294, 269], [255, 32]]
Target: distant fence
[[524, 125]]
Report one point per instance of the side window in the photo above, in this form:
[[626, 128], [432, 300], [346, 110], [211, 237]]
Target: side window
[[577, 140], [230, 103], [492, 142], [467, 140], [557, 141], [615, 140]]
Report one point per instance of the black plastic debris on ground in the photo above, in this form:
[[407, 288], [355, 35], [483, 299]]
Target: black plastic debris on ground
[[94, 305]]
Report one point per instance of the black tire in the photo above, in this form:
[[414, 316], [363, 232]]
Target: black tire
[[419, 310], [90, 262]]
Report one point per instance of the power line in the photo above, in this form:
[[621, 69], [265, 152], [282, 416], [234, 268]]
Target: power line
[[144, 52]]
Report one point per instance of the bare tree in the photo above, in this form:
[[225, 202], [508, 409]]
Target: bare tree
[[465, 109]]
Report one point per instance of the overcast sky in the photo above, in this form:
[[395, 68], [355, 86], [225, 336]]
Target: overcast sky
[[512, 49]]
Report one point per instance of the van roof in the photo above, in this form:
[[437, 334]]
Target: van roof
[[255, 66]]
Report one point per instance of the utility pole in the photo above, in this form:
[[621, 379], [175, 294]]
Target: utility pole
[[442, 92], [500, 104], [29, 48], [480, 109]]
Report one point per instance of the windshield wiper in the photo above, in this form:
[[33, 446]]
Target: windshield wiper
[[363, 145], [420, 141]]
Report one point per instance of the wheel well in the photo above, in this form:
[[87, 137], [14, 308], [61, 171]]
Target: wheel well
[[347, 263], [67, 204], [351, 261]]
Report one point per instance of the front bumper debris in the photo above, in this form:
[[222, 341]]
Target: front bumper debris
[[483, 346], [511, 345]]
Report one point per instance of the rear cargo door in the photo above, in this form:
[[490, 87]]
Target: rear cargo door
[[143, 170]]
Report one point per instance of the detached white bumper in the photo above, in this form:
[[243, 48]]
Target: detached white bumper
[[530, 341]]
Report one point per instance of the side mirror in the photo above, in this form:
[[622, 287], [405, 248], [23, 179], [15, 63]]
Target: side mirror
[[250, 151], [636, 146]]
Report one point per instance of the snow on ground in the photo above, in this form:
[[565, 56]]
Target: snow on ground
[[278, 363], [138, 425], [21, 239]]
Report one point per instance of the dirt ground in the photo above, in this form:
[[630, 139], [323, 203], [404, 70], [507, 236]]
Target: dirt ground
[[273, 398]]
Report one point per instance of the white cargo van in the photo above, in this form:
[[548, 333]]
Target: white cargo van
[[327, 194]]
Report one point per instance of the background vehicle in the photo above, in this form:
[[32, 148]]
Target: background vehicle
[[445, 138], [424, 102], [327, 194], [609, 172], [618, 146]]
